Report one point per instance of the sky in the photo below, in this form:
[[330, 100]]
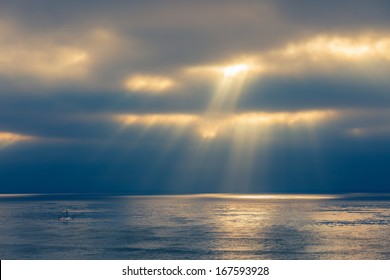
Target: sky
[[192, 96]]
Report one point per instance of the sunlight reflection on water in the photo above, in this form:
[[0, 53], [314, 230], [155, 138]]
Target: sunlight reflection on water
[[195, 227]]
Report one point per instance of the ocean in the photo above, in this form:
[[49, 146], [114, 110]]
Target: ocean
[[303, 227]]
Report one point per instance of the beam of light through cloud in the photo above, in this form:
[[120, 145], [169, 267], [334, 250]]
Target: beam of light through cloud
[[244, 134], [149, 83], [238, 66], [232, 94], [234, 70], [230, 85], [9, 138]]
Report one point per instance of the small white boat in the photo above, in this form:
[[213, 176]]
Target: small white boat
[[65, 217]]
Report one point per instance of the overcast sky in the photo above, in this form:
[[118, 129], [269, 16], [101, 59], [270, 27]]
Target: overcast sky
[[150, 97]]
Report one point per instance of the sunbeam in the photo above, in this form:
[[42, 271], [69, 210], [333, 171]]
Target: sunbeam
[[229, 88]]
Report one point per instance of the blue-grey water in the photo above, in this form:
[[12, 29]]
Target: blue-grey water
[[194, 227]]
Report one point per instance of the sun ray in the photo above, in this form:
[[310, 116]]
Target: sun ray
[[229, 88]]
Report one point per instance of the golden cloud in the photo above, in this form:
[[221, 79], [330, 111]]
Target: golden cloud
[[338, 47], [25, 55], [288, 118], [155, 119], [209, 127], [55, 57], [54, 62], [8, 138], [149, 83], [319, 53], [242, 65]]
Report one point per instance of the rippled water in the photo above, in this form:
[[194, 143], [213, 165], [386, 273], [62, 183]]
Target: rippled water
[[194, 227]]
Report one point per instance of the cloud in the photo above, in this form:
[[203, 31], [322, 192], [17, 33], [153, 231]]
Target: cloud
[[337, 47], [196, 90], [174, 34], [326, 54], [9, 138], [56, 58], [206, 126], [52, 63], [108, 46], [149, 83], [329, 54], [25, 56], [333, 15], [155, 119]]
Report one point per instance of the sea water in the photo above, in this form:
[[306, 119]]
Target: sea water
[[194, 227]]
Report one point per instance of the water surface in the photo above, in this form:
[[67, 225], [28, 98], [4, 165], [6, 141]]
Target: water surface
[[194, 227]]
